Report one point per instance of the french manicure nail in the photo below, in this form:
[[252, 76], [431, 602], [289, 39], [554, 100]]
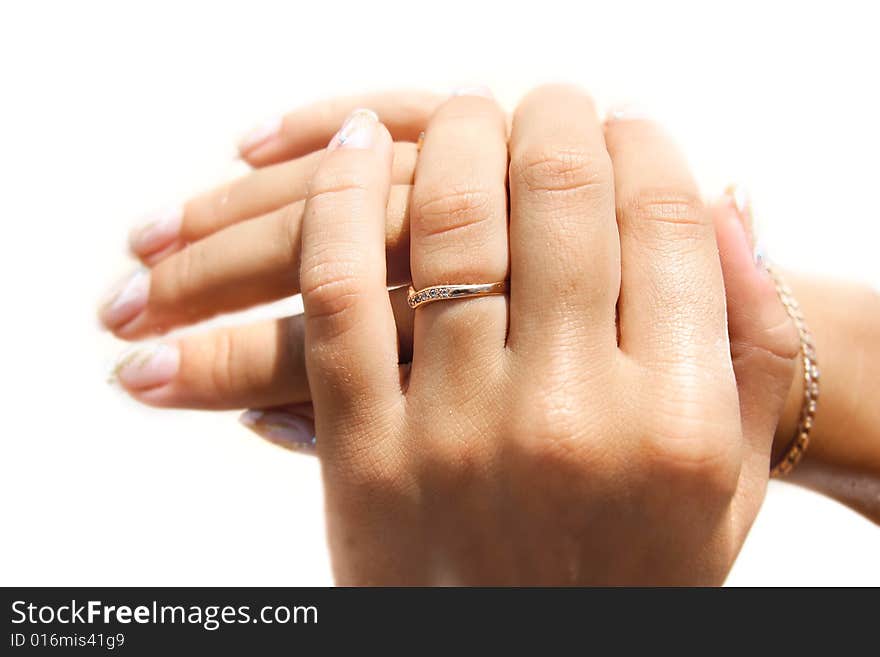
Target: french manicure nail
[[358, 131], [260, 135], [147, 366], [475, 90], [156, 231], [284, 429], [126, 300], [739, 198]]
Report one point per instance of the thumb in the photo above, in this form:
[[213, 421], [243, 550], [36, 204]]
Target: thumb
[[764, 343]]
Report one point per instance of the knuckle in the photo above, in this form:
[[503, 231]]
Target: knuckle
[[780, 340], [331, 286], [452, 460], [208, 212], [692, 453], [177, 278], [442, 211], [337, 184], [773, 351], [549, 426], [557, 416], [677, 207], [559, 446], [221, 375], [373, 473], [771, 340], [556, 168]]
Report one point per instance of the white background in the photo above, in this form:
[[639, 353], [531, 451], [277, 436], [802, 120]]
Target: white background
[[110, 109]]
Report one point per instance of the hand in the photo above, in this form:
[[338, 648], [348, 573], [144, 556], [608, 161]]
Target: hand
[[238, 246], [263, 366], [537, 440]]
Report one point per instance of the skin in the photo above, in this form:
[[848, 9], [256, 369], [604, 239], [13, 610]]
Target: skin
[[646, 236], [633, 433], [843, 461], [267, 366]]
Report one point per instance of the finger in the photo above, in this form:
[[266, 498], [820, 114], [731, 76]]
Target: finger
[[564, 247], [259, 365], [672, 311], [291, 427], [249, 263], [404, 113], [259, 192], [459, 236], [763, 340], [350, 336]]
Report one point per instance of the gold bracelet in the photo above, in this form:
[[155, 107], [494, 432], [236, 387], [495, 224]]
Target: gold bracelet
[[798, 445]]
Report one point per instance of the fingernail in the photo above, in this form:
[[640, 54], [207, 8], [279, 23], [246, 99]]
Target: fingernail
[[156, 231], [475, 90], [759, 254], [740, 201], [739, 198], [147, 366], [627, 112], [126, 300], [260, 135], [284, 429], [358, 131]]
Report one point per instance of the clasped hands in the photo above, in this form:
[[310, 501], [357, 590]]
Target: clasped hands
[[608, 421]]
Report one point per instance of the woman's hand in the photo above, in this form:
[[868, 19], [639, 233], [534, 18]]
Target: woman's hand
[[239, 245], [586, 430]]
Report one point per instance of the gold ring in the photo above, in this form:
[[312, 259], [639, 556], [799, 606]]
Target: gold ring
[[416, 298]]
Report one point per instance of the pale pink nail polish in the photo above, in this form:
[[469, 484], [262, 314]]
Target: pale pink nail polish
[[126, 300], [358, 131], [284, 429], [260, 135], [147, 366], [474, 90], [156, 231], [739, 199]]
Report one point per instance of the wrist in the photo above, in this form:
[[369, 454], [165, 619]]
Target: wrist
[[845, 445]]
